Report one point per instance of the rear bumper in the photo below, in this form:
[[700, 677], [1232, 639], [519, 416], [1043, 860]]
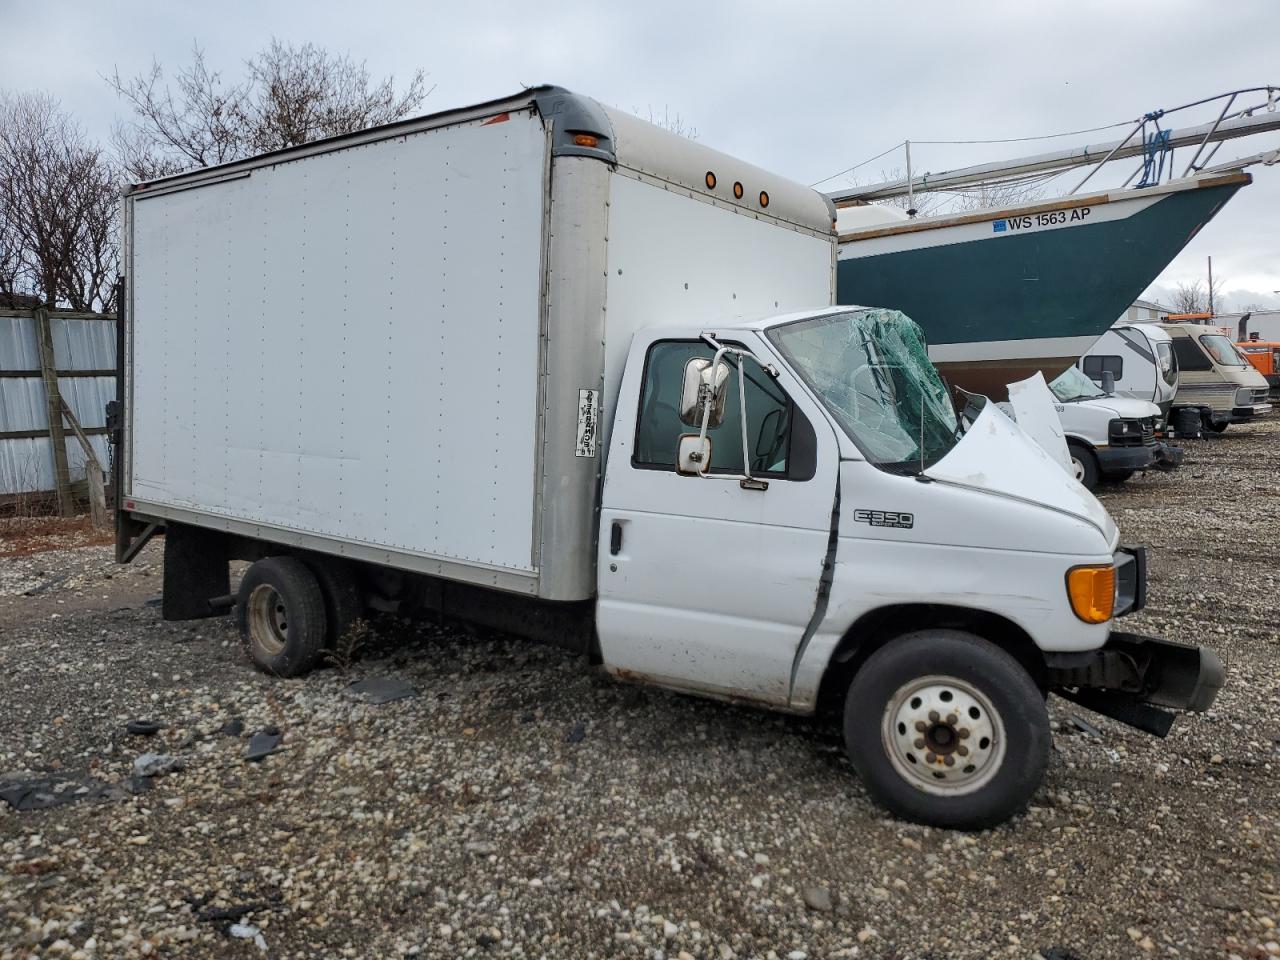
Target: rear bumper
[[1115, 459], [1132, 677]]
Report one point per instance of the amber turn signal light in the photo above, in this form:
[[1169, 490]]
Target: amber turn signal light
[[711, 180], [585, 140], [1092, 591]]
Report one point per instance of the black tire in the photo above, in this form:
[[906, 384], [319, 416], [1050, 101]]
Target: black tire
[[343, 605], [1085, 463], [1118, 476], [991, 782], [280, 612], [1217, 426]]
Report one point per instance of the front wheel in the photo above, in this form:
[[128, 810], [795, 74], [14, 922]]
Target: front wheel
[[1217, 426], [1084, 465], [947, 729]]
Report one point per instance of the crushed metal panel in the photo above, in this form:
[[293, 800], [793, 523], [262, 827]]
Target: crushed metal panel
[[1034, 407]]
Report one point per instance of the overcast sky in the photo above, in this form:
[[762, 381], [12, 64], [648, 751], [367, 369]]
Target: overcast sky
[[804, 89]]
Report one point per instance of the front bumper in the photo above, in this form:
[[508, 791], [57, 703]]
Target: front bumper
[[1243, 414], [1116, 459], [1133, 678]]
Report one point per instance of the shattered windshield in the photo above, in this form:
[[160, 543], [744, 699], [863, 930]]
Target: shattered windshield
[[1074, 385], [871, 370]]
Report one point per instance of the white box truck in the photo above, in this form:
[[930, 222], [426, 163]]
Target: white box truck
[[549, 367]]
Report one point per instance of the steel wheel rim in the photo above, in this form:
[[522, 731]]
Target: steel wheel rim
[[1078, 466], [268, 620], [943, 736]]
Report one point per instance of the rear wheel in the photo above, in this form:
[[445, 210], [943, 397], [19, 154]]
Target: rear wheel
[[1118, 476], [343, 605], [281, 614], [947, 729], [1084, 464], [1217, 426]]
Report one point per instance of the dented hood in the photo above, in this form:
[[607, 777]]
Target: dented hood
[[996, 457]]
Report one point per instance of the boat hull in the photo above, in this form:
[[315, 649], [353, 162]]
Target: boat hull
[[1002, 294]]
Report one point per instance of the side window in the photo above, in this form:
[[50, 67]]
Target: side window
[[1096, 366], [774, 425], [1189, 354]]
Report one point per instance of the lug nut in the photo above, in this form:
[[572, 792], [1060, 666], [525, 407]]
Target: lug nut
[[921, 726], [933, 716], [930, 758], [950, 761], [964, 733], [919, 743], [952, 719], [962, 750]]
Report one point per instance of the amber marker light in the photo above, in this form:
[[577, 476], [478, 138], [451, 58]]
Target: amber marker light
[[586, 140], [711, 180], [737, 190], [764, 199], [1092, 591]]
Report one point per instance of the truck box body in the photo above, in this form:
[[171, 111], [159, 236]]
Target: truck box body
[[403, 346]]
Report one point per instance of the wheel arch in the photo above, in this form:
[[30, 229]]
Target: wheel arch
[[875, 628]]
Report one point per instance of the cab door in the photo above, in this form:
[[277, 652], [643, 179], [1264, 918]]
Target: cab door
[[706, 584]]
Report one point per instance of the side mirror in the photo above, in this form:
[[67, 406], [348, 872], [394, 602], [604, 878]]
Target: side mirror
[[1108, 381], [693, 455], [702, 389]]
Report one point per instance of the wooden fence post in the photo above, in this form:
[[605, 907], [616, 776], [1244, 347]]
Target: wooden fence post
[[92, 471], [53, 407]]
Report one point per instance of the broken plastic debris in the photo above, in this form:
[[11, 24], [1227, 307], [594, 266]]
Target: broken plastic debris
[[142, 728], [247, 931], [382, 689], [1085, 727], [156, 764], [232, 728], [261, 744]]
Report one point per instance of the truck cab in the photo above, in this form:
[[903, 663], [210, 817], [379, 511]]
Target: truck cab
[[1264, 356], [793, 512], [1214, 375]]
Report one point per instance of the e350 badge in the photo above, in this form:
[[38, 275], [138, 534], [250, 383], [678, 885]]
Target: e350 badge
[[885, 518]]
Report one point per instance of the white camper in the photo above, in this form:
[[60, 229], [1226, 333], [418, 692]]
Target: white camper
[[544, 365]]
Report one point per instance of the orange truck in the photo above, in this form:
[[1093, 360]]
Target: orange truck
[[1264, 355]]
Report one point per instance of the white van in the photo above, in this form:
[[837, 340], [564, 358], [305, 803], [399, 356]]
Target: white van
[[1109, 437]]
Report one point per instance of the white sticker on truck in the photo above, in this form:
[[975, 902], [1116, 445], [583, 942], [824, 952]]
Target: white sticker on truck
[[588, 418]]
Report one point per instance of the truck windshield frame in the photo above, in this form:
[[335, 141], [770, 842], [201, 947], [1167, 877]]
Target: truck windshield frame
[[871, 370]]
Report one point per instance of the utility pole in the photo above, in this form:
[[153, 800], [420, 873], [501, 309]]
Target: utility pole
[[1211, 286]]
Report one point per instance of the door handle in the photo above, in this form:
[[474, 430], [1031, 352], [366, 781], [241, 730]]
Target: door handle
[[615, 538]]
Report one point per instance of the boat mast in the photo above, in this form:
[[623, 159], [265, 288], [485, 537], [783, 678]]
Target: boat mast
[[1242, 124]]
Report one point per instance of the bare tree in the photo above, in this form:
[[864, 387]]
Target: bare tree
[[290, 95], [1195, 297], [57, 208], [1190, 298]]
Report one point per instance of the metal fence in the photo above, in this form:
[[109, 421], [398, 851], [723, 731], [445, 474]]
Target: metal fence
[[77, 353]]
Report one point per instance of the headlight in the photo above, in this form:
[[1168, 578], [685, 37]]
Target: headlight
[[1092, 591], [1244, 397], [1123, 429]]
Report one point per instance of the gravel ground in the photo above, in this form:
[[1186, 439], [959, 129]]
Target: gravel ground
[[523, 805]]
